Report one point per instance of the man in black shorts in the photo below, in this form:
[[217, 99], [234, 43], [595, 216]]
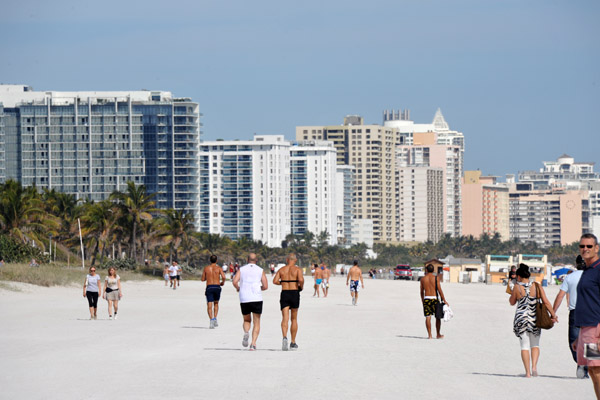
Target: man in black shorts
[[291, 280], [215, 278]]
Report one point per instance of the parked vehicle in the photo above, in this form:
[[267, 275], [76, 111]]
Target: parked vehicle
[[403, 271]]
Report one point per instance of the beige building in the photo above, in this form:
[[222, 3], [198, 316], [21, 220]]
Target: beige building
[[371, 150], [548, 217], [420, 204], [485, 206], [449, 159]]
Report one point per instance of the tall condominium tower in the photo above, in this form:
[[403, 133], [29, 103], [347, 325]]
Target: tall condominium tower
[[344, 199], [92, 143], [245, 189], [313, 183], [370, 149], [449, 159]]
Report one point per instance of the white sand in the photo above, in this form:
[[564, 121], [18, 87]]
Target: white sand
[[161, 347]]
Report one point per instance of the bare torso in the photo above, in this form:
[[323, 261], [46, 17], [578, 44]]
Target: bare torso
[[318, 273], [355, 273], [213, 275], [290, 278]]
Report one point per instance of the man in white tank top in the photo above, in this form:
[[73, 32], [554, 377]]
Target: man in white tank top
[[250, 281]]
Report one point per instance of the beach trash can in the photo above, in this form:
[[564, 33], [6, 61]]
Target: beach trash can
[[544, 282]]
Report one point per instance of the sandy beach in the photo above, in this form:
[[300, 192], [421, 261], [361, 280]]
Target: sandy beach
[[161, 347]]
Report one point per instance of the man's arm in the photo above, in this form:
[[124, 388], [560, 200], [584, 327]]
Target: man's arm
[[347, 278], [222, 276], [300, 278], [236, 281], [442, 293], [558, 300], [361, 279], [277, 278], [264, 282], [422, 291], [203, 277]]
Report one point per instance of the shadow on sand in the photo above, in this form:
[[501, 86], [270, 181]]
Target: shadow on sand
[[522, 375], [412, 337], [194, 327], [238, 349]]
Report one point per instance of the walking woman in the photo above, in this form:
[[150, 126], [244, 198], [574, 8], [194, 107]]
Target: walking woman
[[524, 295], [112, 291], [91, 290]]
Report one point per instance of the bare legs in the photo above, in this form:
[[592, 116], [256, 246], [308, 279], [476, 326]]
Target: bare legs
[[113, 305], [255, 320], [594, 373], [438, 327], [285, 316], [530, 364]]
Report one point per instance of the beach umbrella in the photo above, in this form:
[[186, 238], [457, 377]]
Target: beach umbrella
[[562, 271]]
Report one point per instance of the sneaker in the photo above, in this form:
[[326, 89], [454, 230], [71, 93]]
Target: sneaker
[[252, 348], [115, 316], [293, 346], [245, 339], [216, 323], [284, 344], [212, 324], [580, 372], [110, 317]]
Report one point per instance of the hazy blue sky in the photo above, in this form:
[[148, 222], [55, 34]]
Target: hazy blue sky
[[521, 79]]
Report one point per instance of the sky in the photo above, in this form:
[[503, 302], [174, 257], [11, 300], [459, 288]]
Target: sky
[[520, 79]]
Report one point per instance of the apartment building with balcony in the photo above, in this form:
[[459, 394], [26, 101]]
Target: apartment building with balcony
[[92, 143], [344, 199], [245, 189]]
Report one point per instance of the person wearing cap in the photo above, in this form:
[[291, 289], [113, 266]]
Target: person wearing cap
[[569, 288]]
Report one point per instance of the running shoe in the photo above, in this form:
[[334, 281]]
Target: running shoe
[[284, 344], [580, 372], [216, 323], [212, 324], [115, 316], [252, 348], [245, 339], [110, 317], [293, 346]]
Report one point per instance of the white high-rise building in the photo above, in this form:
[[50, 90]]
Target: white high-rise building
[[245, 189], [344, 189], [313, 188]]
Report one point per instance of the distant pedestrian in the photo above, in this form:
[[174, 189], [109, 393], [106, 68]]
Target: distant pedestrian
[[91, 290], [112, 291], [166, 275], [318, 276], [250, 281], [525, 296], [431, 288], [173, 274], [214, 277], [355, 280]]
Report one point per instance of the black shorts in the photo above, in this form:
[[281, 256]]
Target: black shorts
[[178, 277], [254, 307], [289, 298], [212, 293]]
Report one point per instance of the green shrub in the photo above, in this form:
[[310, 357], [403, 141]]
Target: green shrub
[[13, 251], [123, 264]]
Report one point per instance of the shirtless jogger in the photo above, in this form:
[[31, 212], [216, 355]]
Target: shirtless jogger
[[354, 276], [291, 280], [429, 300], [215, 278]]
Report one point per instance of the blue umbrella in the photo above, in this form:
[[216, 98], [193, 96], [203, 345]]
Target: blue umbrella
[[562, 271]]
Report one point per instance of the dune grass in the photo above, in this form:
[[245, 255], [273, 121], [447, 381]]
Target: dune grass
[[55, 275]]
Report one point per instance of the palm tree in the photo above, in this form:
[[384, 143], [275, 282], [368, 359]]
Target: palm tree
[[178, 227], [138, 206], [98, 224], [22, 213]]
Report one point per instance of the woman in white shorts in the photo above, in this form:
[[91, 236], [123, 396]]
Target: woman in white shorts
[[112, 292]]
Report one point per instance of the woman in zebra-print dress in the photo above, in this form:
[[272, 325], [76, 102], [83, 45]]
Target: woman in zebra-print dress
[[525, 297]]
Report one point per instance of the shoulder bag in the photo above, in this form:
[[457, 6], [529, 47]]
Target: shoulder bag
[[439, 307], [543, 317]]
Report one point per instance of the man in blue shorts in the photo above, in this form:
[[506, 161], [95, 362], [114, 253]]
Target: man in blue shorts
[[215, 278]]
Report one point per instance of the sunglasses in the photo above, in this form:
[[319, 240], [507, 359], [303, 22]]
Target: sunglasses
[[583, 246], [93, 270]]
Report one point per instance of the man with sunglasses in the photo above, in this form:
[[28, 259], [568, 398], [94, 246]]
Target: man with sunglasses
[[587, 312], [569, 288]]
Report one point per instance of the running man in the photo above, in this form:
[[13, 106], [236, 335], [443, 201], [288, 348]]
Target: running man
[[430, 285], [356, 281], [318, 279], [291, 280], [173, 271], [250, 281], [215, 278]]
